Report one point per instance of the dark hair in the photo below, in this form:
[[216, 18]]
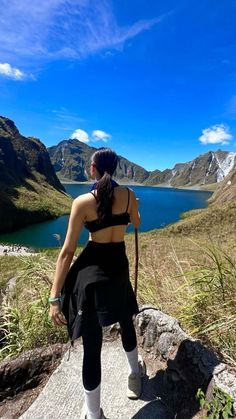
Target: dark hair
[[105, 161]]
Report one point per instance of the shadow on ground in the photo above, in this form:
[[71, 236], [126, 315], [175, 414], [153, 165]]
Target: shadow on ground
[[172, 391]]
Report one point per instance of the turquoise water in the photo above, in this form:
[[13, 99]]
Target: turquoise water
[[158, 207]]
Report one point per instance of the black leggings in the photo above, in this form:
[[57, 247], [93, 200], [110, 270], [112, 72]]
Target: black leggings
[[92, 343]]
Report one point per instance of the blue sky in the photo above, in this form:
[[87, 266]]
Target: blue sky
[[155, 81]]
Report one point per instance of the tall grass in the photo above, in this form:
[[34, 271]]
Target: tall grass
[[193, 281], [11, 336], [9, 266], [207, 302], [25, 322]]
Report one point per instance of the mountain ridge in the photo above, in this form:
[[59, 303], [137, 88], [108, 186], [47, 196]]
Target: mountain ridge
[[71, 161]]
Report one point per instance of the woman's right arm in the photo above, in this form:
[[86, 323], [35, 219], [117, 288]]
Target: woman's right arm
[[134, 213], [66, 254]]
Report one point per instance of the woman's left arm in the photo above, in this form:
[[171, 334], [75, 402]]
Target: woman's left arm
[[75, 225]]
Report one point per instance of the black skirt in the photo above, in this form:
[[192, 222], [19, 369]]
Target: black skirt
[[98, 285]]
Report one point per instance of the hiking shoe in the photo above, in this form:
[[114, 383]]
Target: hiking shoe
[[84, 416], [102, 415], [134, 388]]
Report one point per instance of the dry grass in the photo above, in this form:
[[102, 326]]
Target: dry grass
[[211, 222], [9, 266], [194, 280]]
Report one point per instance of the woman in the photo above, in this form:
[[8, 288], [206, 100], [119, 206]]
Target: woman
[[96, 290]]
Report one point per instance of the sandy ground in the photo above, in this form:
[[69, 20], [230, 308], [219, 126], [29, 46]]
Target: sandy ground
[[15, 250]]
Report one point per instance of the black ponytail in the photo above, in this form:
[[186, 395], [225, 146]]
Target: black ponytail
[[105, 161]]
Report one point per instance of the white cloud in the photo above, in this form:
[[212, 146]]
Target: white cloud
[[80, 135], [216, 134], [33, 31], [98, 135], [13, 73]]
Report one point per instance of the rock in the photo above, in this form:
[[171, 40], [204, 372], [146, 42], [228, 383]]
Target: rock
[[190, 365], [158, 330], [26, 370]]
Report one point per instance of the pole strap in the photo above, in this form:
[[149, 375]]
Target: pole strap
[[136, 262]]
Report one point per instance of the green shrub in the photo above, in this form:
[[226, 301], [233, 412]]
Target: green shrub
[[220, 407]]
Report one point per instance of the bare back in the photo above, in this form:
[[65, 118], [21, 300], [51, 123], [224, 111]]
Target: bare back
[[113, 233]]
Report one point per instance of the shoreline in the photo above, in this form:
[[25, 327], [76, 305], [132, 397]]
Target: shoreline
[[203, 188], [76, 182], [189, 188], [16, 250]]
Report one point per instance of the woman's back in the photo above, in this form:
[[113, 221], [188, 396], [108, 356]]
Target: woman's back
[[122, 212]]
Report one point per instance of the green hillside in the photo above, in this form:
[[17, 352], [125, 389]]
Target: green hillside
[[30, 189]]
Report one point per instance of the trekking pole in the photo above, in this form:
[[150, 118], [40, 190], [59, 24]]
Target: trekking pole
[[136, 262]]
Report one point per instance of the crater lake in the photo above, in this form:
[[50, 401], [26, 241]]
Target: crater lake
[[159, 206]]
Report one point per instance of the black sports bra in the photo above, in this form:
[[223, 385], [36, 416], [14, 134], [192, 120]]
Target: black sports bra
[[111, 220]]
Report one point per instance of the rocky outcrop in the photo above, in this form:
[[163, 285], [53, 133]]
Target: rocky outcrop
[[24, 376], [190, 365], [27, 370]]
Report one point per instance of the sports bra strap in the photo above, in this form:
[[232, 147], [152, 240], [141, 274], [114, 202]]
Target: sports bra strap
[[93, 194], [128, 201]]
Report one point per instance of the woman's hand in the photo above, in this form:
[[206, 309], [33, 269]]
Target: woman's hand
[[56, 315]]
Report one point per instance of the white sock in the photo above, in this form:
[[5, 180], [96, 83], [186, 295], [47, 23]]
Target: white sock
[[92, 401], [132, 359]]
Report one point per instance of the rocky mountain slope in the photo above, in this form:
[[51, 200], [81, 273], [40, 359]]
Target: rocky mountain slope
[[226, 190], [71, 161], [211, 167], [30, 189], [208, 168]]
